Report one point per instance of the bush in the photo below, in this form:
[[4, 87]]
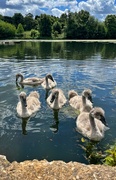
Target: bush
[[7, 30]]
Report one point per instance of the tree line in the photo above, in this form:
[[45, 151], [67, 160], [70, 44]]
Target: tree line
[[78, 25]]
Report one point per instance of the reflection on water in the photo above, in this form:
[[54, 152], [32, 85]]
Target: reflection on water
[[54, 126], [24, 123], [52, 134]]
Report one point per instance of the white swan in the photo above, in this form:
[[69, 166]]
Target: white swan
[[48, 82], [56, 99], [29, 81], [86, 105], [77, 101], [28, 105], [92, 124]]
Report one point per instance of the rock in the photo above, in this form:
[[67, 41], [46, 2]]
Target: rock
[[54, 170]]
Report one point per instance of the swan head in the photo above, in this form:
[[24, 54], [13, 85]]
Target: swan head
[[54, 96], [71, 94], [99, 113], [49, 76], [88, 94], [19, 75], [22, 97]]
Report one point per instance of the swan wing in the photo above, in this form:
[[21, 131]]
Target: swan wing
[[76, 102]]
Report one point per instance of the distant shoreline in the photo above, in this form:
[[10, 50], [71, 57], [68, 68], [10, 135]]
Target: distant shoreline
[[11, 41]]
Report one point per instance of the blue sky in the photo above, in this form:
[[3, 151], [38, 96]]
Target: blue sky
[[98, 8]]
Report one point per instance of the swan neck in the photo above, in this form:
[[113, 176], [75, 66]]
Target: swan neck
[[84, 100], [46, 81], [56, 102], [21, 78], [92, 122], [24, 109]]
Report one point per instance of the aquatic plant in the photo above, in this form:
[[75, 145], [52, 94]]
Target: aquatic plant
[[93, 154], [110, 158]]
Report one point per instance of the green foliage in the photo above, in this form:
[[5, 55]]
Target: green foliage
[[45, 28], [29, 22], [20, 29], [34, 33], [110, 158], [17, 19], [93, 155], [7, 30], [27, 34], [79, 25], [110, 23], [56, 27]]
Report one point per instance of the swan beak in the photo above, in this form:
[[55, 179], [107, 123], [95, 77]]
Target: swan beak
[[103, 121], [52, 98], [50, 77]]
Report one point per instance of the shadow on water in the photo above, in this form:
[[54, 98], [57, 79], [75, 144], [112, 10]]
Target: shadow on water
[[24, 124], [54, 126]]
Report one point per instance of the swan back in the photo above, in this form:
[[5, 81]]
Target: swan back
[[77, 101], [29, 81], [28, 105], [92, 124], [56, 99], [72, 94]]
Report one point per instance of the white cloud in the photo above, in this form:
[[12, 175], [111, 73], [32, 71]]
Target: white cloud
[[8, 12], [56, 12], [14, 2], [98, 8]]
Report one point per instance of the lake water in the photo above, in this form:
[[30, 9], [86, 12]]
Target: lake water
[[73, 65]]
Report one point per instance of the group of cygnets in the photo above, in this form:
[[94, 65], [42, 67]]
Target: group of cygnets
[[90, 122]]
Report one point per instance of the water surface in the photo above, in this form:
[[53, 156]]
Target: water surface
[[51, 135]]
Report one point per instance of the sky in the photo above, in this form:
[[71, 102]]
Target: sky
[[97, 8]]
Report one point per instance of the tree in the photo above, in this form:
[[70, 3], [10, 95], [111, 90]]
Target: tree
[[82, 21], [29, 22], [45, 26], [20, 30], [7, 30], [56, 27], [110, 23], [34, 33], [101, 31], [8, 19], [71, 27], [63, 20], [17, 19]]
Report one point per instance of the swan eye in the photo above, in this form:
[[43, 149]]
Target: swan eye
[[97, 115]]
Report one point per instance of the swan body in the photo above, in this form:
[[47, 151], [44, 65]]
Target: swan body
[[56, 99], [92, 124], [28, 105], [48, 82], [77, 101], [29, 81]]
